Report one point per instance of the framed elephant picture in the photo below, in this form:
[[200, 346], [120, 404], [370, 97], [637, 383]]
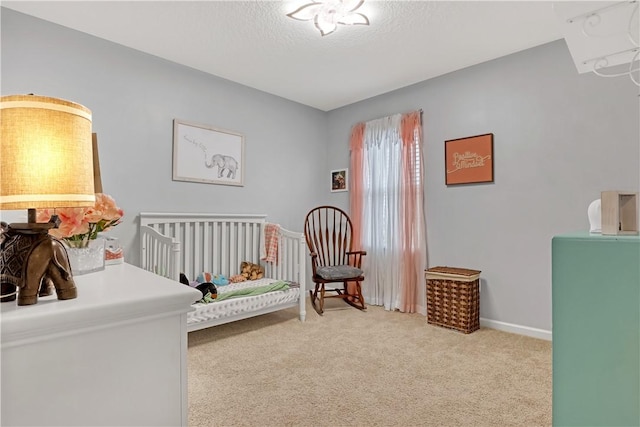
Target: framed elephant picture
[[206, 154]]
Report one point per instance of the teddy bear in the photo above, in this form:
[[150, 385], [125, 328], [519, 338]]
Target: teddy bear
[[251, 271]]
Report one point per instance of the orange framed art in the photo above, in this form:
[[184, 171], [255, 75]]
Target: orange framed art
[[469, 160]]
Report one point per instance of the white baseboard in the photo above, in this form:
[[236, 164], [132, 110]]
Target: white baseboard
[[506, 327], [516, 329]]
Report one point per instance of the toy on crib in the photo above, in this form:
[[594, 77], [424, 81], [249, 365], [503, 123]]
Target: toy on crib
[[251, 271], [237, 278], [220, 280], [204, 277], [204, 287], [216, 279]]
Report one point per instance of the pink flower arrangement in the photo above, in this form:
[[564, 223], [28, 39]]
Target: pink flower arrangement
[[79, 225]]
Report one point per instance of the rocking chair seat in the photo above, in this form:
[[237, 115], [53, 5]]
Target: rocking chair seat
[[339, 272]]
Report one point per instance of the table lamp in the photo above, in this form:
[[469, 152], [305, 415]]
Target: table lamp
[[46, 161]]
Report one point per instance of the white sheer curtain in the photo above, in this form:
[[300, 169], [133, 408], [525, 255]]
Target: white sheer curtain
[[381, 228], [389, 210]]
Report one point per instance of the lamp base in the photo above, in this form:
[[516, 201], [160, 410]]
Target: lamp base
[[30, 262]]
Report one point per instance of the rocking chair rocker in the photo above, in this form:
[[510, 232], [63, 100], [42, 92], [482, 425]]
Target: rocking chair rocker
[[328, 232]]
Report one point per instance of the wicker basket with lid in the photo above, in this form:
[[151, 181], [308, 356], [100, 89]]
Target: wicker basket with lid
[[453, 298]]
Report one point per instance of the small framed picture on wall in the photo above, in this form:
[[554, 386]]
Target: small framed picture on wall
[[339, 180]]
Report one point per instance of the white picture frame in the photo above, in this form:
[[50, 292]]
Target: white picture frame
[[206, 154], [339, 180]]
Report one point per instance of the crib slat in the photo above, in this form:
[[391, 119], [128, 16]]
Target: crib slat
[[206, 245], [241, 246], [233, 247], [224, 255], [187, 250], [247, 244]]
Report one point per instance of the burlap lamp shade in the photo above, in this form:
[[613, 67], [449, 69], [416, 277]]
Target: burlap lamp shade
[[46, 161], [46, 153]]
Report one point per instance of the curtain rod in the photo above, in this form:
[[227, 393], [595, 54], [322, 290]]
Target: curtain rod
[[384, 117]]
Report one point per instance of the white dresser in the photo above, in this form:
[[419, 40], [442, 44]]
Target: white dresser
[[114, 356]]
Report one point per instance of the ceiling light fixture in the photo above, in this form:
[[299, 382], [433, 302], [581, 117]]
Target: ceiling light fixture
[[327, 14], [628, 50]]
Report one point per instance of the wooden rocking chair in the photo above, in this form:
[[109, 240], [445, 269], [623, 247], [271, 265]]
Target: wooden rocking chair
[[328, 232]]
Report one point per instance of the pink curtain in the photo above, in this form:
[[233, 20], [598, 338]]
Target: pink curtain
[[356, 189], [356, 186], [412, 216]]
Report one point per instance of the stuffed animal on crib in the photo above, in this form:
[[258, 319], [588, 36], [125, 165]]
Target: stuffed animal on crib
[[251, 271], [204, 287], [220, 280], [216, 279], [236, 278]]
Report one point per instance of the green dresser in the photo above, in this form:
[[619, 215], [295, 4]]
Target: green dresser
[[596, 330]]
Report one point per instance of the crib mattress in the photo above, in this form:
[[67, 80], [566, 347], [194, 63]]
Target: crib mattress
[[235, 306]]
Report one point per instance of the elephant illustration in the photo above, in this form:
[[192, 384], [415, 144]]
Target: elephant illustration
[[224, 162], [31, 261]]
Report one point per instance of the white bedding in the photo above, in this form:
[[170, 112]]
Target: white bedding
[[237, 306]]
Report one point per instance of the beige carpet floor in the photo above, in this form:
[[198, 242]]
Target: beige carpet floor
[[372, 368]]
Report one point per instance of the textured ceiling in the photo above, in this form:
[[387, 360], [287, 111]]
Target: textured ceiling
[[254, 43]]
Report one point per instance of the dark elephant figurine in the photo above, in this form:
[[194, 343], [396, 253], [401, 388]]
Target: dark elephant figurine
[[30, 262]]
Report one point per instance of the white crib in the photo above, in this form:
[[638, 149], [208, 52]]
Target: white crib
[[191, 243]]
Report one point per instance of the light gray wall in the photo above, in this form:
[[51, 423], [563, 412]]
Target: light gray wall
[[134, 98], [559, 139]]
